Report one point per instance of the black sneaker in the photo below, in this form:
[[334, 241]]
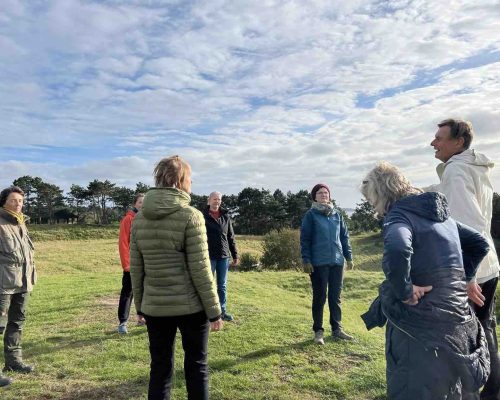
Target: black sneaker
[[19, 367], [4, 381]]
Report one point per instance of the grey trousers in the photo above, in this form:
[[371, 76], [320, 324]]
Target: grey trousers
[[13, 306]]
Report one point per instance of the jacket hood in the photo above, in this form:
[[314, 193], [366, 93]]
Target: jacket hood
[[430, 205], [160, 202], [469, 156]]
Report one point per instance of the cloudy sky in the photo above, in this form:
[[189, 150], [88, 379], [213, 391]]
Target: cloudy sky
[[272, 94]]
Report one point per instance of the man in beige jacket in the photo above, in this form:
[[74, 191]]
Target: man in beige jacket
[[465, 180]]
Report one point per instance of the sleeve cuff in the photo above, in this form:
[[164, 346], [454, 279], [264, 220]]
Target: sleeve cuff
[[214, 319]]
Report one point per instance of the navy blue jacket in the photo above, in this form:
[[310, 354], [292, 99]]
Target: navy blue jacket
[[324, 239], [420, 237]]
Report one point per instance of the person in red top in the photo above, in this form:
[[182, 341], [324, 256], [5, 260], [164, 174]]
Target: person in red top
[[124, 249]]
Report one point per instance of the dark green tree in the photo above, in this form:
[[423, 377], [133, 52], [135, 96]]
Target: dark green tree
[[101, 192], [78, 196], [297, 205], [363, 218], [141, 188], [123, 197], [29, 186], [49, 196]]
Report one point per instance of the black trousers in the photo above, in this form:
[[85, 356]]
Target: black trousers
[[125, 298], [194, 330], [327, 279], [487, 318]]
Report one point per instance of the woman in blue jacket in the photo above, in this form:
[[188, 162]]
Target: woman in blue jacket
[[435, 347], [324, 243]]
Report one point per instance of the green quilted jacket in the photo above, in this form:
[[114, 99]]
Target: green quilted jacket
[[169, 262]]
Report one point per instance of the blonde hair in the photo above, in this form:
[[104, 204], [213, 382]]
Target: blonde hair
[[384, 185], [172, 172]]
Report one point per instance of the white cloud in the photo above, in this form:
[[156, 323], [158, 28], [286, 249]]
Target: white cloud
[[265, 94]]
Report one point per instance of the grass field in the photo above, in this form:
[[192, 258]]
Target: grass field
[[267, 353]]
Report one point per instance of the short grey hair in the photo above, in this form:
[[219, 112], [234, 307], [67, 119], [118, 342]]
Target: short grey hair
[[384, 185], [213, 194]]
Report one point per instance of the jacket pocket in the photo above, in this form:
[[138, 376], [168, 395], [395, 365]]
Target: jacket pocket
[[11, 277], [8, 244]]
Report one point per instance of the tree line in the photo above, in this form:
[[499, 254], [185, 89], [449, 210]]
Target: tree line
[[254, 211]]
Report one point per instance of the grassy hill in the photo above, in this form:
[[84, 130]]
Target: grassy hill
[[267, 353]]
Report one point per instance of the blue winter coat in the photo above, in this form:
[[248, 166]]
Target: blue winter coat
[[420, 237], [435, 349], [324, 239]]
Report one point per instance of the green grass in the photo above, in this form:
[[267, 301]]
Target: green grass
[[267, 353]]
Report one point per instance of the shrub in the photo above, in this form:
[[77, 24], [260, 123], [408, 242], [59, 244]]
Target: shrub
[[282, 250], [249, 262]]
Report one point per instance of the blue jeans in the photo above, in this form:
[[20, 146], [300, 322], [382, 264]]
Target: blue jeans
[[220, 268]]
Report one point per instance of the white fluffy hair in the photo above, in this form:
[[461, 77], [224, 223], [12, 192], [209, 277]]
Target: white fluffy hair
[[384, 185]]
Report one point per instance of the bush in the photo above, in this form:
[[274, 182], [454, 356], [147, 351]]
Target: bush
[[282, 250], [249, 262]]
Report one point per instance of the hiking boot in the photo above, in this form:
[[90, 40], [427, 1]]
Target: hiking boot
[[340, 334], [122, 328], [227, 317], [19, 367], [4, 381], [318, 338]]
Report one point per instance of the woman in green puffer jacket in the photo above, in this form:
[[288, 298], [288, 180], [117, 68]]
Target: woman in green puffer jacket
[[172, 281]]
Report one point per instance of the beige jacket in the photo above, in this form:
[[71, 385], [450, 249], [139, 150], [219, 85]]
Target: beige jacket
[[17, 266], [465, 181]]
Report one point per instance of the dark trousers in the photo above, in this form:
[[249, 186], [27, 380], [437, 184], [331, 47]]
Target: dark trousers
[[194, 332], [487, 318], [125, 298], [327, 279], [14, 307]]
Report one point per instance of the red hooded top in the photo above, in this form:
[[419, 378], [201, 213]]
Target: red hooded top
[[124, 240]]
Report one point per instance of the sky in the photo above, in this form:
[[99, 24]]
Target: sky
[[266, 94]]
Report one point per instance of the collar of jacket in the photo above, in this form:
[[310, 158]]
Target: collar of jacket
[[223, 211], [11, 217]]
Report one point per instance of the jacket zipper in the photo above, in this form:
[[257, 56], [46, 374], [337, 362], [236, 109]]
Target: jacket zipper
[[410, 335]]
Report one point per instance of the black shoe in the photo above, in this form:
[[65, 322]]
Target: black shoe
[[19, 367], [4, 381]]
